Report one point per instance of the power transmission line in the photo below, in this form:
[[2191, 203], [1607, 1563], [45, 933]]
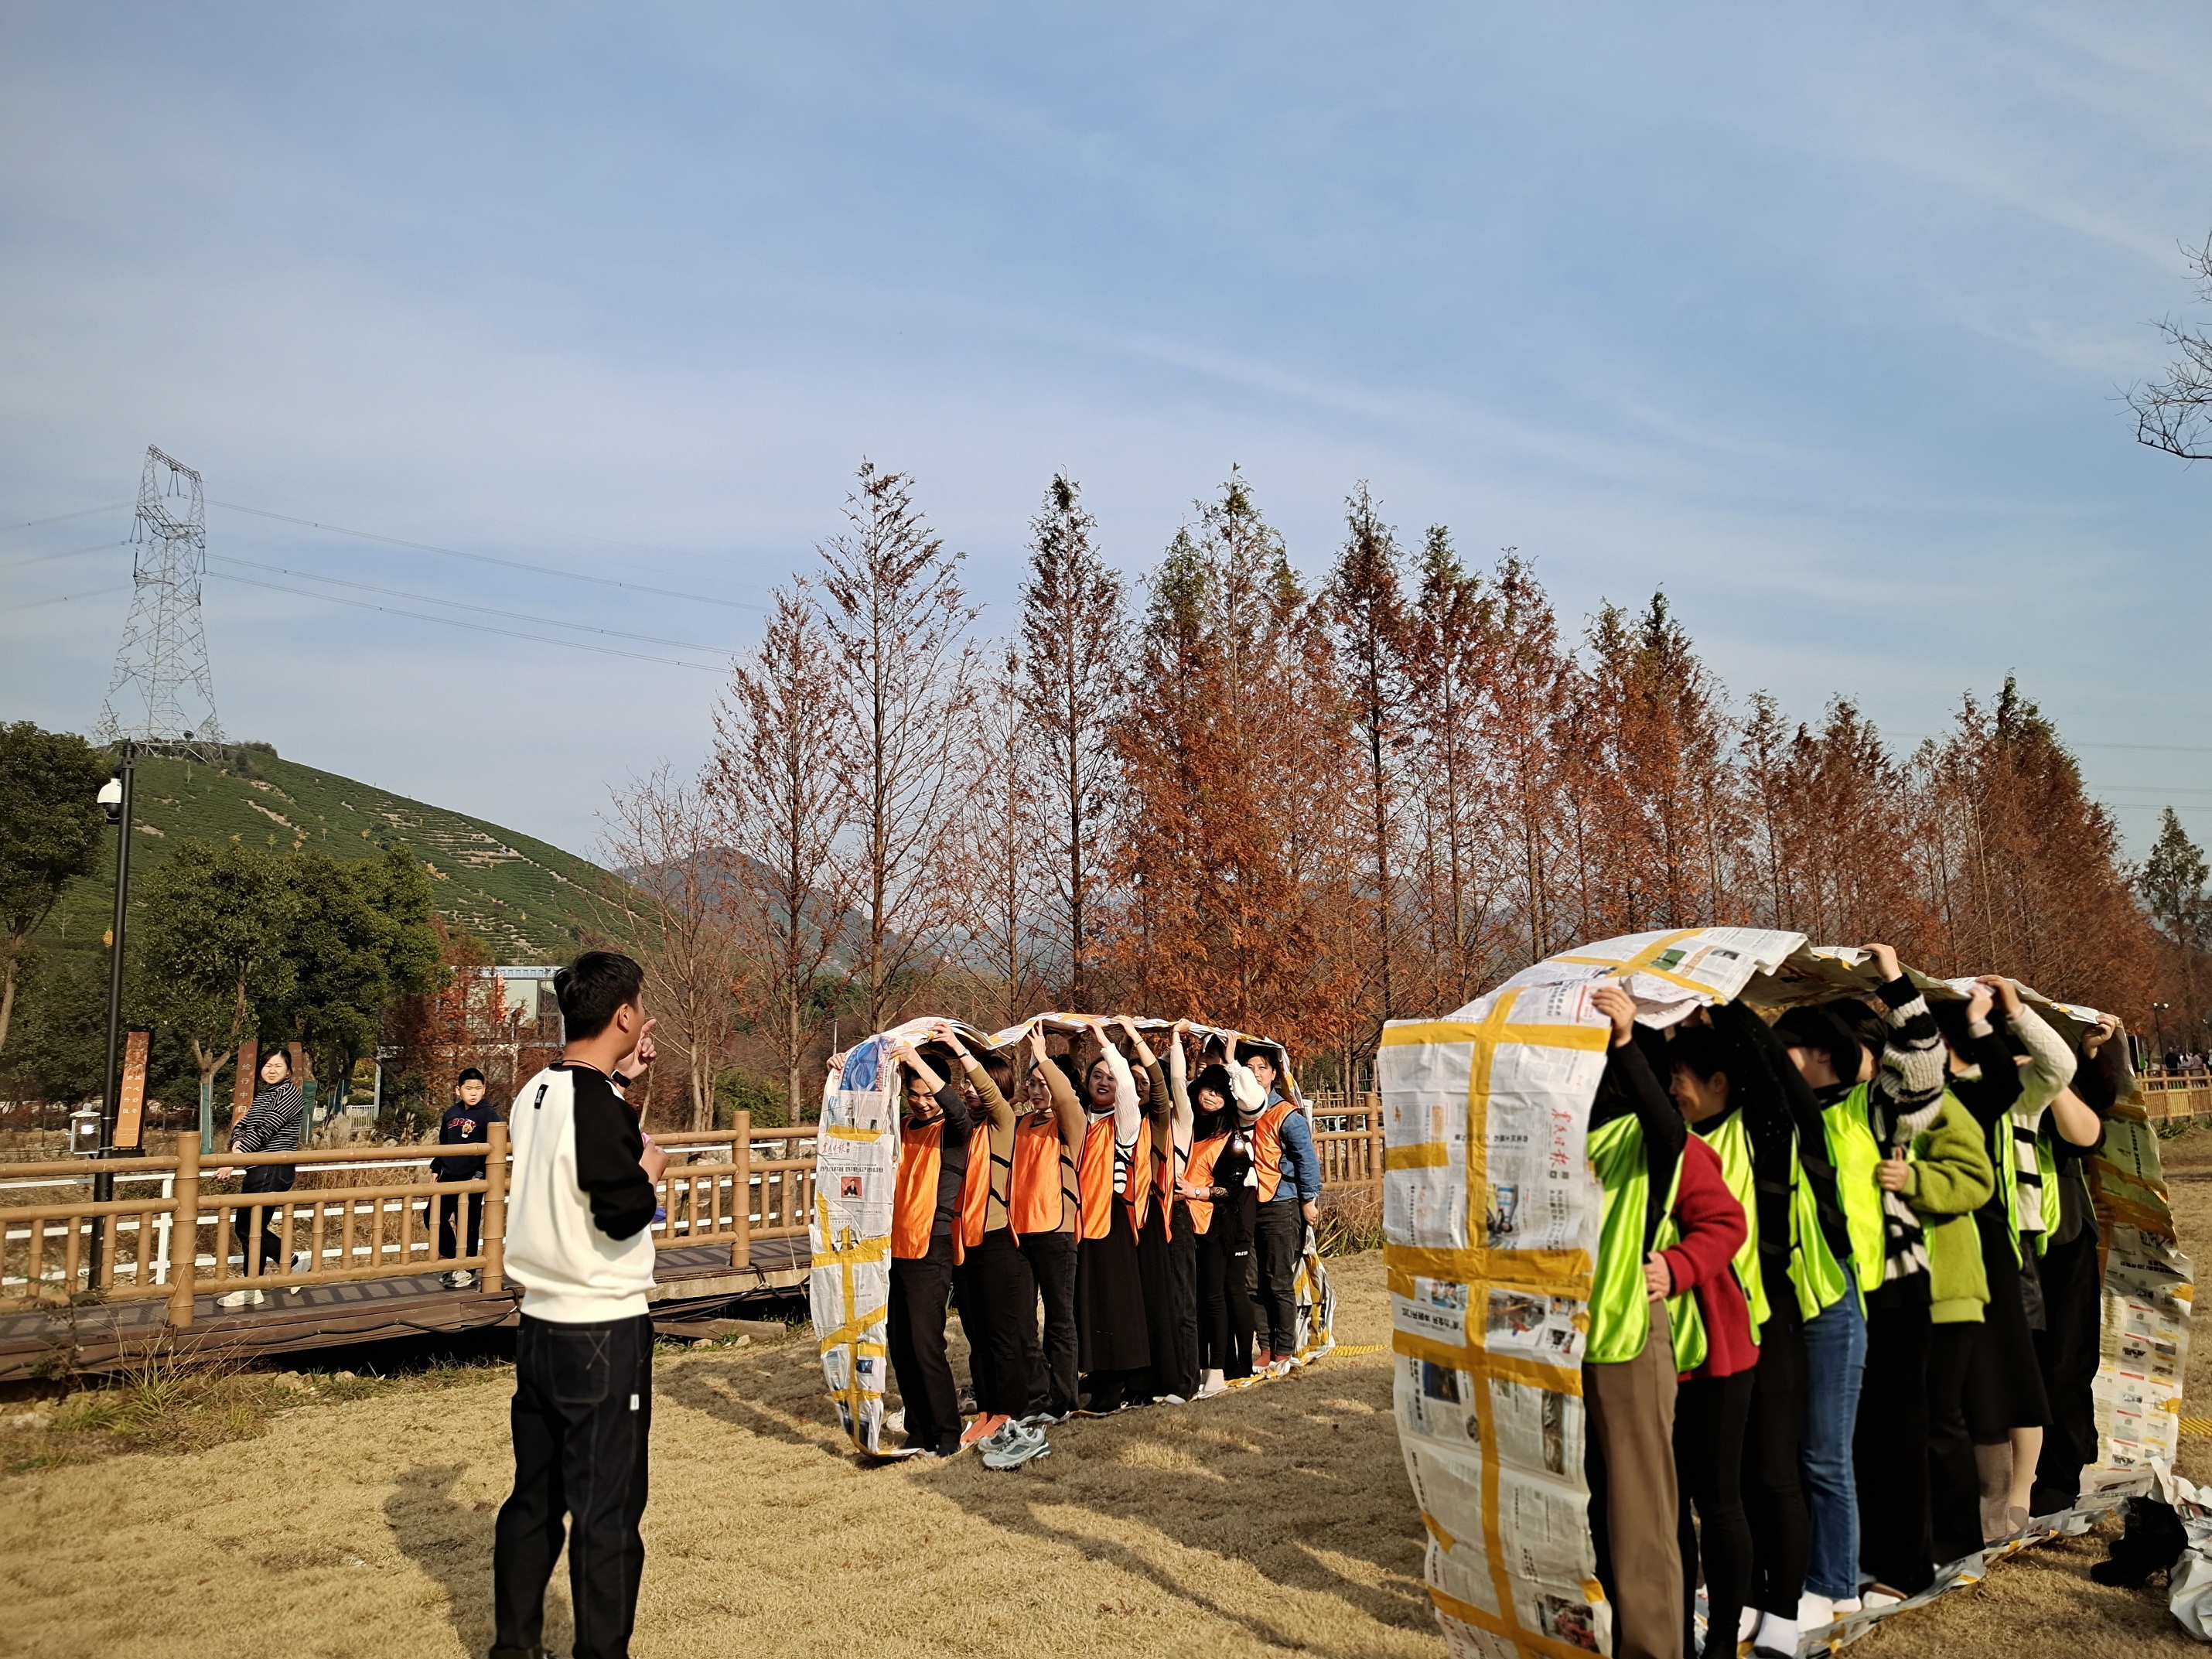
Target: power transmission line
[[455, 622], [459, 604], [488, 558], [82, 513], [65, 599], [70, 553]]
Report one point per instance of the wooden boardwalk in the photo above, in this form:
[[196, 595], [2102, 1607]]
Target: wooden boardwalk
[[107, 1336]]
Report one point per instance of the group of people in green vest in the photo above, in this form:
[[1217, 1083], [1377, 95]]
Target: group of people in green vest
[[1844, 1318]]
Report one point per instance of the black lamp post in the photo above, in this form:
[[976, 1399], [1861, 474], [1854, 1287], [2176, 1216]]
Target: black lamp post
[[2158, 1027], [116, 797]]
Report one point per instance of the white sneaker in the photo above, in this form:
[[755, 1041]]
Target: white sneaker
[[456, 1281], [242, 1299], [1845, 1606], [1013, 1446], [1874, 1601], [1815, 1611], [1169, 1400]]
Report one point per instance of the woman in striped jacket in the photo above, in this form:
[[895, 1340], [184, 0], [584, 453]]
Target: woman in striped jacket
[[271, 1124]]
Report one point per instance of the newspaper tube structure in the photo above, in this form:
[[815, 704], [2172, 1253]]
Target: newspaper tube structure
[[848, 1287], [1490, 1214]]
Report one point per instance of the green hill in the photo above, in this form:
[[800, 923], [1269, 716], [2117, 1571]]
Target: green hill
[[528, 900]]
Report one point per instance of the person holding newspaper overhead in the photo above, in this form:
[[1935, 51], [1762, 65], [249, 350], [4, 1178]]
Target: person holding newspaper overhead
[[580, 1243]]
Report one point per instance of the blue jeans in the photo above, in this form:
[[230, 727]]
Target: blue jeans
[[1835, 1360]]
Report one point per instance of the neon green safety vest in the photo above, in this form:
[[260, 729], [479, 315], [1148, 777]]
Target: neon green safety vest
[[1852, 1152], [2008, 1175], [1814, 1274], [1731, 1138], [2046, 1165], [1620, 1313]]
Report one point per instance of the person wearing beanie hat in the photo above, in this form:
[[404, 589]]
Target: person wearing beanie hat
[[467, 1122]]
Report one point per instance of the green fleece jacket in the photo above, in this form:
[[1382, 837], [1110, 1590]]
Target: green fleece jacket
[[1949, 1177]]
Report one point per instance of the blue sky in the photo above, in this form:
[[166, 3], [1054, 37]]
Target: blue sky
[[1819, 318]]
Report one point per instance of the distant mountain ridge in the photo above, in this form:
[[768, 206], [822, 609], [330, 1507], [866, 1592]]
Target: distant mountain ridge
[[528, 899]]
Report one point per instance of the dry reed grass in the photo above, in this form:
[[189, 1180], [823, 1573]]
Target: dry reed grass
[[1277, 1517]]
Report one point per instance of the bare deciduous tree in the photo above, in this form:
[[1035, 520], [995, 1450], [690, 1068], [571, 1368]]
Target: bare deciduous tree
[[2175, 414], [1071, 682], [897, 622], [780, 797], [661, 836]]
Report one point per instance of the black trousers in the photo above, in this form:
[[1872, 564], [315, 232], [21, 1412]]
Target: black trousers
[[1005, 1361], [1773, 1497], [1954, 1485], [1224, 1310], [1710, 1415], [582, 1419], [1281, 1240], [264, 1178], [2073, 1313], [1180, 1375], [1889, 1448], [449, 1216], [1051, 1258], [921, 1287]]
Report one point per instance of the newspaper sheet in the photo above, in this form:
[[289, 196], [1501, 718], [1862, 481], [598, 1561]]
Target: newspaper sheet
[[2143, 1342]]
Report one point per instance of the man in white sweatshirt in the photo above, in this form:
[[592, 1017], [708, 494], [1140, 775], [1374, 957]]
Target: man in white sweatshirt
[[580, 1243]]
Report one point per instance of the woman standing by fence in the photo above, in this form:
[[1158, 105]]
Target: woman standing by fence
[[271, 1124]]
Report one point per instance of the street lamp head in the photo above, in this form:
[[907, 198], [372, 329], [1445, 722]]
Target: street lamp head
[[110, 800]]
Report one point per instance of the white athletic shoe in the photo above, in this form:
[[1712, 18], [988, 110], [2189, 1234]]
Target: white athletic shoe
[[242, 1299], [1815, 1611], [1845, 1606], [1013, 1446], [1169, 1400], [1874, 1601], [457, 1280]]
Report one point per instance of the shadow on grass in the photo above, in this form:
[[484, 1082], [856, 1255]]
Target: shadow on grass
[[451, 1539]]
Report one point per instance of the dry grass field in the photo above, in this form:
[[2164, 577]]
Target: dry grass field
[[360, 1523]]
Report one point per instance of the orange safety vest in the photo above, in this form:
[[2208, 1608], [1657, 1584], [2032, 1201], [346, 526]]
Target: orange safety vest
[[1267, 1148], [1200, 1173], [914, 1194], [975, 1192], [1044, 1184], [1096, 1179], [1162, 1193]]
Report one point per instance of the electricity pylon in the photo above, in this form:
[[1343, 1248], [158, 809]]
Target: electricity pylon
[[164, 647]]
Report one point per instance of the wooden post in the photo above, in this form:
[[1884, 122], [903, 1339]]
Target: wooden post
[[184, 1231], [495, 1214], [246, 1079], [741, 1154]]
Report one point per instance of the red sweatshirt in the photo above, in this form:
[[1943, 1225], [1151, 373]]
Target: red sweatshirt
[[1713, 1231]]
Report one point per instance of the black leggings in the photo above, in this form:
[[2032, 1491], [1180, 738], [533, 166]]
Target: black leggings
[[1954, 1487], [1225, 1311], [1773, 1499], [263, 1179], [1710, 1415], [1889, 1448]]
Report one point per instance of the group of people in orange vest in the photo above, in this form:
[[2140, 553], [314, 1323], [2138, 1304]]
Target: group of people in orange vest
[[1153, 1204]]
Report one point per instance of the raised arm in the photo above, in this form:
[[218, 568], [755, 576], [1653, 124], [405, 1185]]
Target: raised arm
[[1127, 1120], [1179, 1087], [1067, 1108], [2049, 1061], [994, 1104], [1910, 1077], [1986, 1049]]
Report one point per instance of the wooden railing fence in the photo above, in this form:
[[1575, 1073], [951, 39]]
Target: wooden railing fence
[[361, 1213], [355, 1213]]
